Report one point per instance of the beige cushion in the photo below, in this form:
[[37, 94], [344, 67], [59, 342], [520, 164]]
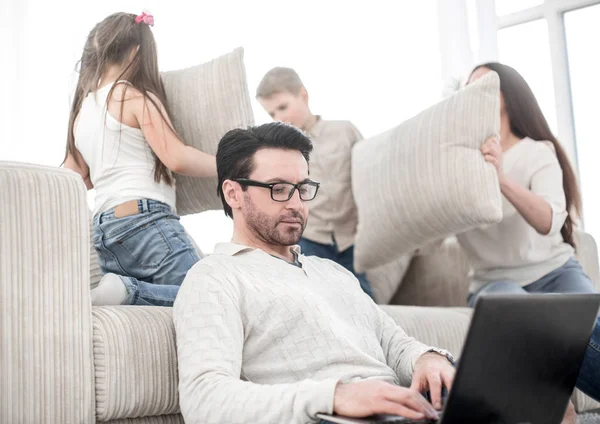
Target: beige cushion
[[386, 279], [445, 328], [426, 178], [161, 419], [584, 403], [135, 362], [587, 254], [205, 102], [438, 276], [46, 369]]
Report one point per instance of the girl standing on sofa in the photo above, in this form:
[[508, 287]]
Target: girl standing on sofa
[[532, 249], [121, 141]]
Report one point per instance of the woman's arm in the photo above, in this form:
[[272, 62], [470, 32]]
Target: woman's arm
[[533, 208], [544, 205]]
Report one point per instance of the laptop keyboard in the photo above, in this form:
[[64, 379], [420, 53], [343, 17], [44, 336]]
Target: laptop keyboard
[[399, 420]]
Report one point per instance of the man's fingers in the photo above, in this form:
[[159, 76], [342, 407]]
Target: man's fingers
[[389, 407], [448, 378], [435, 389], [416, 383], [411, 399]]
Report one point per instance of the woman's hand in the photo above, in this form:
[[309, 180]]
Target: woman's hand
[[492, 152]]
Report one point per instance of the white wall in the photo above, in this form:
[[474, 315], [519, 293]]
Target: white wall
[[376, 63]]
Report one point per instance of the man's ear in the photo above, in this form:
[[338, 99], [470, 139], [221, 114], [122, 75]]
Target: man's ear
[[232, 193]]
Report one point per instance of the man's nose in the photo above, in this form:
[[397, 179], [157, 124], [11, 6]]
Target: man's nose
[[295, 202]]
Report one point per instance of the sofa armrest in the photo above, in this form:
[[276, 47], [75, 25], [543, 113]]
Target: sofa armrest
[[45, 311], [445, 328], [587, 253]]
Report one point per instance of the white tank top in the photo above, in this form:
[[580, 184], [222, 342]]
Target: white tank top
[[119, 157]]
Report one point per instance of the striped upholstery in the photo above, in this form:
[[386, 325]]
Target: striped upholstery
[[205, 102], [441, 327], [160, 419], [46, 373], [135, 362], [427, 179]]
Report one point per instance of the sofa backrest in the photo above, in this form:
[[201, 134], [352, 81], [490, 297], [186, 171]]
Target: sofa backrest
[[439, 274]]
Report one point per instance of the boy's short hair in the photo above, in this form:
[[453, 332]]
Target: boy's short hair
[[279, 80]]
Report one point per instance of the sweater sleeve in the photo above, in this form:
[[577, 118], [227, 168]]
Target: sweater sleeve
[[401, 351], [210, 340], [354, 134], [547, 182]]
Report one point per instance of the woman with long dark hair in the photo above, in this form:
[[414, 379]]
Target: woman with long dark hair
[[532, 249], [121, 141]]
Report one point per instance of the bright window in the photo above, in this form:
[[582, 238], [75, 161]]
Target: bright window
[[526, 48], [581, 27], [506, 7]]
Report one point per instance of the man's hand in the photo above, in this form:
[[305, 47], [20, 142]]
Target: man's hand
[[433, 372], [369, 397]]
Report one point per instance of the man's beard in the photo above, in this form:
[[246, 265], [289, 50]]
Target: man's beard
[[270, 230]]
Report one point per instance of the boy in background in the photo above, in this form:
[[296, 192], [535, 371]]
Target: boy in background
[[331, 229]]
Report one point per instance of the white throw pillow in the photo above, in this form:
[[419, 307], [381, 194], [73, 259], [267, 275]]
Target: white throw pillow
[[205, 102], [427, 179]]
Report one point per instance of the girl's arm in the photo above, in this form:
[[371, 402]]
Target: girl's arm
[[176, 156], [81, 168]]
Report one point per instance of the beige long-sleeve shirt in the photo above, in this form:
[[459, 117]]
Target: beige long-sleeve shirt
[[260, 340], [513, 250], [333, 212]]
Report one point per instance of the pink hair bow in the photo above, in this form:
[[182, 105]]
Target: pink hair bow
[[145, 18]]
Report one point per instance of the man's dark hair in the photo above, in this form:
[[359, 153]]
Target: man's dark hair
[[235, 155]]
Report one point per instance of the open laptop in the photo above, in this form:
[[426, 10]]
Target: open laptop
[[519, 363]]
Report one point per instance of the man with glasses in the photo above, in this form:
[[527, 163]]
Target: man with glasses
[[268, 335]]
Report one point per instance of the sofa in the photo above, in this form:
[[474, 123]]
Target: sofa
[[64, 361]]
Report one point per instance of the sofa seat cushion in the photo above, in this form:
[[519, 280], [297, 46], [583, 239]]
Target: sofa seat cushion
[[440, 327], [135, 362]]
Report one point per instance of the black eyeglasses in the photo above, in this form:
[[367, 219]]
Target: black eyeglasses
[[282, 192]]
